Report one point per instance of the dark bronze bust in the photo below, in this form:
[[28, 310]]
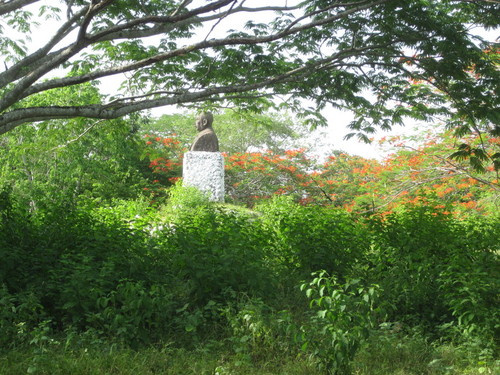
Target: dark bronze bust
[[206, 140]]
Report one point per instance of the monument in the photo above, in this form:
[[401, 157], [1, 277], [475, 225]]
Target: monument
[[206, 140], [203, 165]]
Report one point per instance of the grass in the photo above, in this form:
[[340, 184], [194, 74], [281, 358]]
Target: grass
[[146, 362], [389, 353], [385, 354]]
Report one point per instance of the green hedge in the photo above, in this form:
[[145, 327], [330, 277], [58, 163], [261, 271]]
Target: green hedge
[[137, 275]]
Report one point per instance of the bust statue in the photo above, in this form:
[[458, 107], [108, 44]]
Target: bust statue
[[206, 140]]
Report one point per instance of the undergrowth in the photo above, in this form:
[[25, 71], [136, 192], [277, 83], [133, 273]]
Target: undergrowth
[[198, 287]]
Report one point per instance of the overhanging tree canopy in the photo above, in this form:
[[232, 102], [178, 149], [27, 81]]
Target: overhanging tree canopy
[[383, 59]]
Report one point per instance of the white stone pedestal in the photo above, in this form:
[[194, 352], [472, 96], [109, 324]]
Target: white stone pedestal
[[205, 171]]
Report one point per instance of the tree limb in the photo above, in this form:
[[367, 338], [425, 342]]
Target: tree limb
[[40, 56], [10, 6], [5, 102]]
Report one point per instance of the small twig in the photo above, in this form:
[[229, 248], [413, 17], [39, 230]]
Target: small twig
[[78, 137], [221, 18], [184, 4]]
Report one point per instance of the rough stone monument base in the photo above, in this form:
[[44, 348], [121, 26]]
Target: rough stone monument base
[[205, 171]]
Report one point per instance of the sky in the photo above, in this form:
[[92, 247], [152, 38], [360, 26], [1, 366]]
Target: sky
[[333, 137]]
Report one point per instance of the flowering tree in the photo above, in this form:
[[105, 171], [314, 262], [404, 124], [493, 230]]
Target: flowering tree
[[425, 169], [165, 154], [418, 170], [259, 175]]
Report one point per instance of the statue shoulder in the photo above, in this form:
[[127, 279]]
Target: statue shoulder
[[206, 140]]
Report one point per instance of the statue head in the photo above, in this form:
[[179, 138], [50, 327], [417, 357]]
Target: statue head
[[206, 140], [204, 120]]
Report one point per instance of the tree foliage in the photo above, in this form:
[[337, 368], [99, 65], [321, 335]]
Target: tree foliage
[[58, 161], [360, 55]]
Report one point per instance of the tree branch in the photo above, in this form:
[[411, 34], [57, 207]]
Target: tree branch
[[14, 5], [95, 7], [109, 33], [10, 120], [79, 136], [40, 56], [185, 50]]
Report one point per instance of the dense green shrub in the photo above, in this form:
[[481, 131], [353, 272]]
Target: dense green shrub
[[125, 275], [470, 283], [438, 271], [133, 274], [85, 270], [216, 249], [308, 238], [345, 316], [16, 239]]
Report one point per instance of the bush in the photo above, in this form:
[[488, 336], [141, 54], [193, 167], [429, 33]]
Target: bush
[[438, 271], [132, 274], [85, 269], [308, 238], [215, 250], [345, 315]]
